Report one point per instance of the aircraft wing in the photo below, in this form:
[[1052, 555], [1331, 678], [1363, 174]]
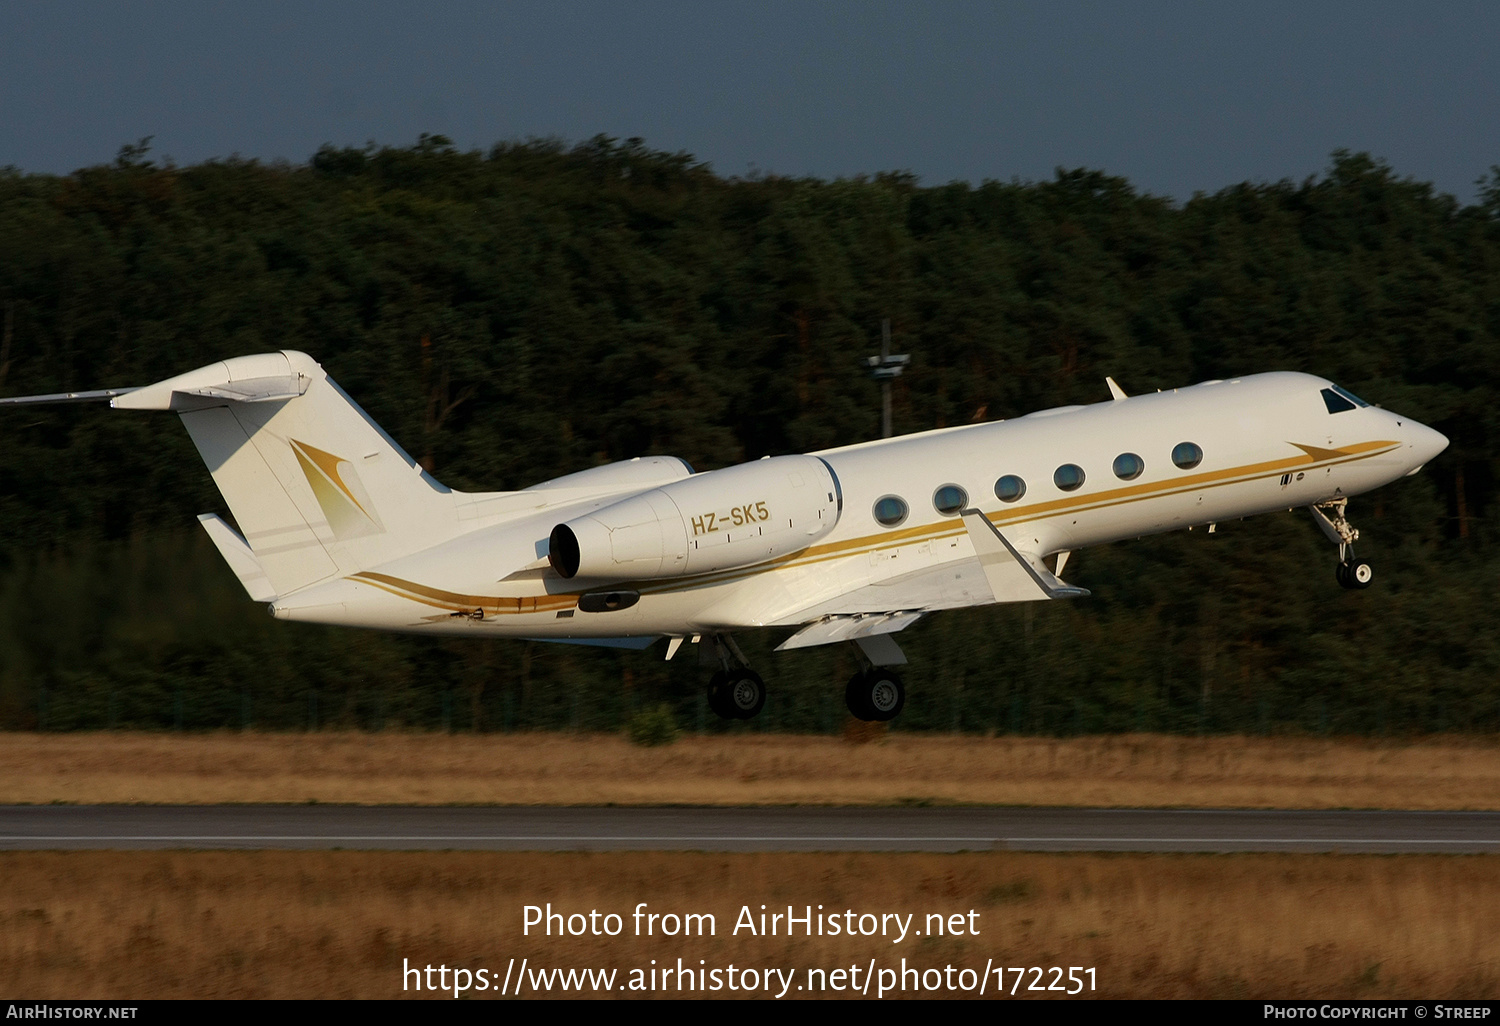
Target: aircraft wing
[[849, 627], [999, 573]]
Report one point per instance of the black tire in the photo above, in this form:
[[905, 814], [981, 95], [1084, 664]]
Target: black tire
[[744, 694], [1360, 574], [718, 695], [1341, 573], [885, 694], [875, 695], [854, 698]]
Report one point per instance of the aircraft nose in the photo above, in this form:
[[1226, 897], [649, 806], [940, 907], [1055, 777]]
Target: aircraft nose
[[1424, 443]]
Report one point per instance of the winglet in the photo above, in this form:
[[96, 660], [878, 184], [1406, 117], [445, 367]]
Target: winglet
[[1012, 577], [1115, 390]]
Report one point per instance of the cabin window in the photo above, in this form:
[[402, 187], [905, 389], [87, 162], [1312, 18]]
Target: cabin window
[[1187, 455], [1009, 488], [1129, 466], [1068, 477], [1335, 402], [949, 499], [890, 511]]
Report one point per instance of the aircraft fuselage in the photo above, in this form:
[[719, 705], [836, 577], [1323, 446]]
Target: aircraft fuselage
[[1242, 447]]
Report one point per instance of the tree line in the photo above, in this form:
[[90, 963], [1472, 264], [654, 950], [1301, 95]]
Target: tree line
[[516, 314]]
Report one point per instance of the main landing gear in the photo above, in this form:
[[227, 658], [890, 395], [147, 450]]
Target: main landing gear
[[734, 692], [875, 694], [1352, 573], [737, 692]]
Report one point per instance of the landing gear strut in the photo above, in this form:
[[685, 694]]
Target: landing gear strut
[[1351, 573], [734, 692]]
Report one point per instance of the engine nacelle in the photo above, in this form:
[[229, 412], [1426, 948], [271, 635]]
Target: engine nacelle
[[717, 520]]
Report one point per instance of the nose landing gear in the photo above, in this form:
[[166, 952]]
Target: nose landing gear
[[1354, 574], [1351, 573]]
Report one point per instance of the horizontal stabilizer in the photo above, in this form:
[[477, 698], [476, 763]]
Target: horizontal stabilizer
[[239, 557], [266, 377], [1013, 577], [831, 629], [98, 395]]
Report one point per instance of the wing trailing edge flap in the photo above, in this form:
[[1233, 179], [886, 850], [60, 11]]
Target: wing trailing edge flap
[[241, 560], [852, 627], [1013, 577]]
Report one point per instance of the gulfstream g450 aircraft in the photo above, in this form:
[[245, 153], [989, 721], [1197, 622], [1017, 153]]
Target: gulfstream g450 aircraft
[[338, 525]]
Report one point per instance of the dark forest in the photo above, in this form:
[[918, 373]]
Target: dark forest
[[513, 315]]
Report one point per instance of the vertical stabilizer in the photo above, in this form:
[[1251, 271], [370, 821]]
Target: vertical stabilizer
[[317, 488]]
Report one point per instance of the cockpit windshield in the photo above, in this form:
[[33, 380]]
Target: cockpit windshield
[[1339, 400]]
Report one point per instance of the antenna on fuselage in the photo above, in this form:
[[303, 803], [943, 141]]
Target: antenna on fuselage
[[1115, 390]]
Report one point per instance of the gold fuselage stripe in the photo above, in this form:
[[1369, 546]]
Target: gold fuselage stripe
[[493, 605], [438, 598], [1035, 511]]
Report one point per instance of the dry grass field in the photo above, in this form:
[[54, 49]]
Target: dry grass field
[[894, 768], [339, 924]]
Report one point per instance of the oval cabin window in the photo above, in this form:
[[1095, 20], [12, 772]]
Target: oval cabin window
[[949, 499], [890, 511], [1129, 466], [1068, 477], [1009, 488], [1187, 455]]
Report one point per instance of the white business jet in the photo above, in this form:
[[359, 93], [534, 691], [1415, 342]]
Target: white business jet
[[338, 525]]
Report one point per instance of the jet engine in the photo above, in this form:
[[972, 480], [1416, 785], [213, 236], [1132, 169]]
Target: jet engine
[[717, 520]]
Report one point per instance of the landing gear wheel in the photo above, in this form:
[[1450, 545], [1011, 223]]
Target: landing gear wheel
[[1356, 575], [736, 694], [875, 695], [718, 695], [887, 695], [854, 698]]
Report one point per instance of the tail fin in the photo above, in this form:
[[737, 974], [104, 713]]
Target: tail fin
[[318, 489]]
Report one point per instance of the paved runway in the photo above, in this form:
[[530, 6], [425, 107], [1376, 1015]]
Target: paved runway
[[740, 829]]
